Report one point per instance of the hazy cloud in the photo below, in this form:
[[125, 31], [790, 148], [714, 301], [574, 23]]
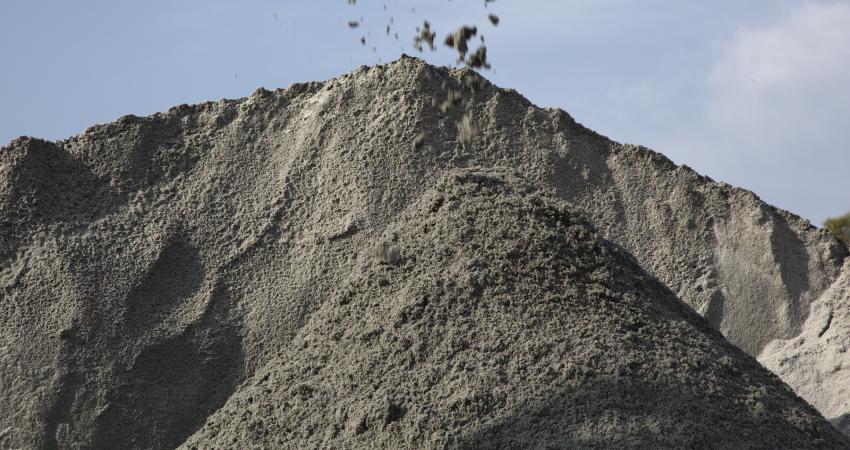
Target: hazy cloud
[[777, 106], [789, 81]]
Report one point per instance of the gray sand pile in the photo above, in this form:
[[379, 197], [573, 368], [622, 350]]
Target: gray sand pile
[[505, 321], [150, 266], [817, 362]]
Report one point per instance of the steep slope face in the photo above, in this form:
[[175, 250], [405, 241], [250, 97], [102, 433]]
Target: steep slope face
[[817, 362], [110, 320], [750, 269], [503, 321], [141, 256]]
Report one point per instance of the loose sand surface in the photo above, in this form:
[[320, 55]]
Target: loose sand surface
[[154, 270]]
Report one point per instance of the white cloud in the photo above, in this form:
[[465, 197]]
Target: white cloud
[[813, 43], [777, 115], [796, 72]]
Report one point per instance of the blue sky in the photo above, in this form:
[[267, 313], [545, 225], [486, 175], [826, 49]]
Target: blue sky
[[756, 93]]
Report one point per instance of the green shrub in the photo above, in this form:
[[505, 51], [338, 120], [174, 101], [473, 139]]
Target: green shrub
[[840, 227]]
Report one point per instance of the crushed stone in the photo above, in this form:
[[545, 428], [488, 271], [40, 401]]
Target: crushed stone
[[459, 40], [467, 131], [478, 59], [424, 35]]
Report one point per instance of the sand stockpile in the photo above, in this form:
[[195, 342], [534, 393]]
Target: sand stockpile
[[150, 266], [817, 362], [505, 322]]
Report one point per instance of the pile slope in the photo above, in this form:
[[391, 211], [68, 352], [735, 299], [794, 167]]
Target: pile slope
[[504, 321], [149, 266], [817, 362]]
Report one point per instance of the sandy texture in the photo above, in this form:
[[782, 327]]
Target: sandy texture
[[506, 322], [817, 362], [151, 265]]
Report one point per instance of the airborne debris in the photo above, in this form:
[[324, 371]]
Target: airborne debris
[[472, 81], [453, 100], [385, 253], [467, 130], [458, 40], [479, 58], [425, 35]]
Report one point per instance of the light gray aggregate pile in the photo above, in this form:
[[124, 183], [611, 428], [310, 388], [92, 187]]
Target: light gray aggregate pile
[[817, 362], [150, 266], [506, 322]]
